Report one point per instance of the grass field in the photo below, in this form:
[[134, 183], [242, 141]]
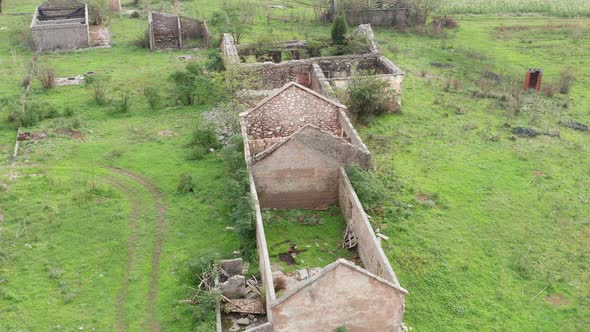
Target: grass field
[[496, 228]]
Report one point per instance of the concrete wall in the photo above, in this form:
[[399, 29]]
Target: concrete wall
[[342, 295], [65, 34], [369, 248], [303, 171]]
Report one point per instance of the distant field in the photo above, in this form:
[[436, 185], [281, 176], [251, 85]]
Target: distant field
[[567, 8]]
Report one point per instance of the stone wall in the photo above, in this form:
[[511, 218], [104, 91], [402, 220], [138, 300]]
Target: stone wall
[[229, 51], [303, 171], [171, 31], [290, 110], [192, 29], [115, 6], [369, 248], [65, 34], [341, 295], [164, 30], [379, 17]]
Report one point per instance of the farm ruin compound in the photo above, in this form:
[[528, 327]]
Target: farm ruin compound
[[297, 142]]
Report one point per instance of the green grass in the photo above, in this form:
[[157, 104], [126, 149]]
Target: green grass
[[509, 232], [569, 8], [317, 235]]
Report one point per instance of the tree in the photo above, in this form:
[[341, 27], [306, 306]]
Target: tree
[[339, 30], [237, 19], [0, 7]]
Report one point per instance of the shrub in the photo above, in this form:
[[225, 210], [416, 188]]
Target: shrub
[[215, 61], [69, 112], [186, 184], [567, 79], [193, 86], [143, 40], [203, 138], [100, 85], [45, 75], [123, 103], [135, 14], [153, 97], [339, 30], [368, 97]]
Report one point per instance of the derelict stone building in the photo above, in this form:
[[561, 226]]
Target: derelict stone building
[[296, 143], [60, 25]]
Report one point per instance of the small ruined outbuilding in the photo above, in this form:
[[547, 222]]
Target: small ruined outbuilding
[[173, 31], [60, 25]]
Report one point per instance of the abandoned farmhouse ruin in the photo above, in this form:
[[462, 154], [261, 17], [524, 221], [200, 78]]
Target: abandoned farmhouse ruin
[[60, 25], [297, 142], [173, 31], [324, 75]]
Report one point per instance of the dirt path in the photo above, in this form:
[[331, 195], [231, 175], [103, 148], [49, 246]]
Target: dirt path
[[122, 322], [161, 207]]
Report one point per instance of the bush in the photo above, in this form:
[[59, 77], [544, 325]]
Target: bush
[[203, 138], [69, 112], [194, 86], [339, 30], [186, 184], [45, 75], [100, 85], [123, 103], [135, 14], [215, 61], [567, 79], [368, 97], [153, 97], [143, 40]]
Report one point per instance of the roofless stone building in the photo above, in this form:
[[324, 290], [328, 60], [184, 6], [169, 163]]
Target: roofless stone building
[[60, 25]]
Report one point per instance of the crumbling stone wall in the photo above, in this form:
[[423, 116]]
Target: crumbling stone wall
[[341, 295], [164, 31], [369, 247], [194, 30], [287, 112], [171, 31], [302, 171], [115, 6]]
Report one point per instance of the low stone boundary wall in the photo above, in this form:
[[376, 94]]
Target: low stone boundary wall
[[369, 248]]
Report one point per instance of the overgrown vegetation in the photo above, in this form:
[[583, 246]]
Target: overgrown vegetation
[[193, 86], [369, 97]]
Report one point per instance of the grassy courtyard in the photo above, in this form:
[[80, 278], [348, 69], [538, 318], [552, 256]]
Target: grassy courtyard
[[493, 230]]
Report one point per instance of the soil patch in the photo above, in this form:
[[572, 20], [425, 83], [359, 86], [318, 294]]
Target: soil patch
[[557, 300], [75, 134], [442, 65]]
